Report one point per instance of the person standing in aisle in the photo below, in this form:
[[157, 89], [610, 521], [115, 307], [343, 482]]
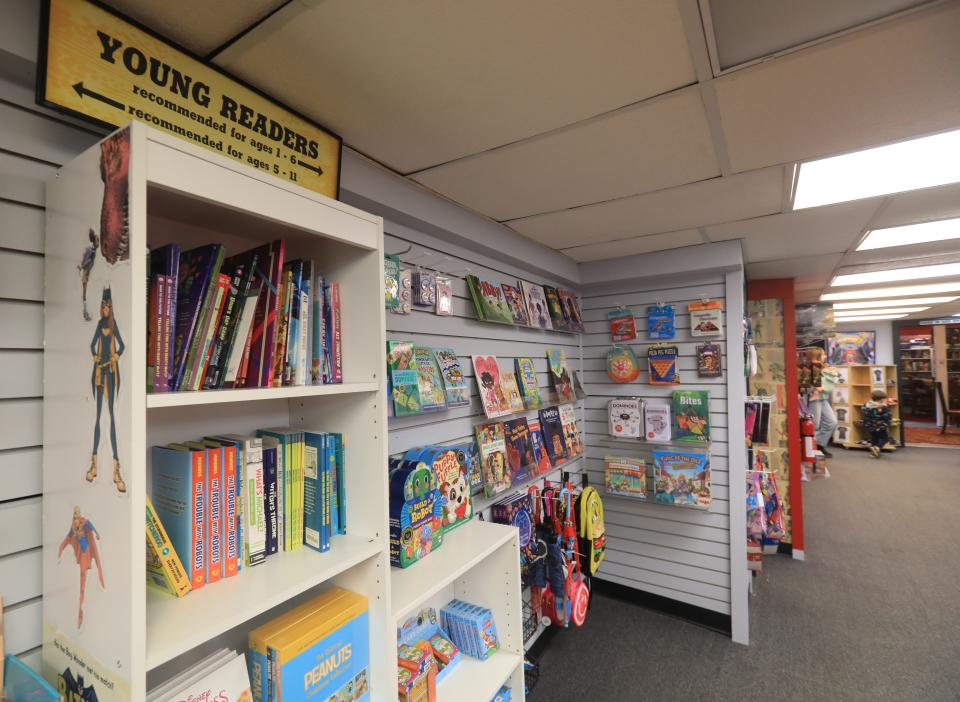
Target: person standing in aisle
[[877, 419], [824, 418]]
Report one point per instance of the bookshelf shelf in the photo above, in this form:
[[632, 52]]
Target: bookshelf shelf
[[212, 397], [474, 679], [176, 626]]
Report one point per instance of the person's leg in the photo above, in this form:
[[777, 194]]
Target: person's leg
[[825, 427], [876, 443]]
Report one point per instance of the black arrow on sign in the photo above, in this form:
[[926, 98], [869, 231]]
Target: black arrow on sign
[[81, 91], [315, 169]]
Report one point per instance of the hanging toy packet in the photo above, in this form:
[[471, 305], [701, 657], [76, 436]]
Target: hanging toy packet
[[622, 365], [706, 318], [661, 322], [662, 361], [623, 326]]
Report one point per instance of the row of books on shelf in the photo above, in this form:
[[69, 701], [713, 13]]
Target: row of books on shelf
[[525, 304], [249, 320], [223, 503], [424, 379]]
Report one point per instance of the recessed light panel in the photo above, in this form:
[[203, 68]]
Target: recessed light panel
[[871, 316], [901, 291], [868, 304], [839, 314], [894, 168], [894, 274], [922, 233]]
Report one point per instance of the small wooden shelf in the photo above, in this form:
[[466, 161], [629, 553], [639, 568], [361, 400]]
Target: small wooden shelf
[[212, 397]]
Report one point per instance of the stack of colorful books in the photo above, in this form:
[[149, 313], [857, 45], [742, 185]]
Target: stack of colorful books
[[230, 501], [249, 320]]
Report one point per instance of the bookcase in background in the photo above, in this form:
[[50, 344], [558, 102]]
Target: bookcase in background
[[849, 398], [140, 188]]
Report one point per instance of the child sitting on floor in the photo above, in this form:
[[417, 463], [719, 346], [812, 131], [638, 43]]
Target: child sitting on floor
[[877, 418]]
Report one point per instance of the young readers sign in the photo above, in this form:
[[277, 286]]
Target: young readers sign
[[98, 66]]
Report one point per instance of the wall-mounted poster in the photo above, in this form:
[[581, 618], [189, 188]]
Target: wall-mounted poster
[[815, 324], [852, 348]]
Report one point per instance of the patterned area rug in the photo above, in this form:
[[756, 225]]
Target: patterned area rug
[[923, 435]]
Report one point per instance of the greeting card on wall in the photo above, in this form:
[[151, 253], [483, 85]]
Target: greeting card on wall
[[706, 318], [691, 415], [623, 325], [537, 308], [682, 478], [625, 417], [661, 322], [656, 421], [662, 361], [487, 373]]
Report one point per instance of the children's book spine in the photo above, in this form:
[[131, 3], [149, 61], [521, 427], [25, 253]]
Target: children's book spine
[[214, 485], [167, 313], [240, 345], [249, 374], [231, 551], [270, 498], [301, 468], [228, 321], [254, 534], [204, 311], [335, 350], [341, 484], [329, 466], [198, 555], [154, 300], [306, 318], [334, 497], [294, 316], [319, 333], [283, 327], [313, 494], [274, 310], [257, 671], [166, 556], [202, 360], [282, 545]]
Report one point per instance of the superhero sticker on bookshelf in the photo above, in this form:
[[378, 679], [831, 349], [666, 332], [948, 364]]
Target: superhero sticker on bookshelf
[[106, 347], [84, 268], [82, 538], [114, 214]]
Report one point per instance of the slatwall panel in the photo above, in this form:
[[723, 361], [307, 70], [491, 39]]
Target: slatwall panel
[[467, 336], [33, 143], [680, 553]]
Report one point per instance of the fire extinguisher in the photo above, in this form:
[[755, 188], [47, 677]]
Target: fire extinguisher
[[808, 451]]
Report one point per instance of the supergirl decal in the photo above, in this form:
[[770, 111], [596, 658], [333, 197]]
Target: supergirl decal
[[82, 537]]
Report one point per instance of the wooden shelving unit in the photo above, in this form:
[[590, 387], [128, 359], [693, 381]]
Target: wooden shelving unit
[[850, 397]]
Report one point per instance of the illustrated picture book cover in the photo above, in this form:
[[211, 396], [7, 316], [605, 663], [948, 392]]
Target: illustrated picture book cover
[[487, 372], [571, 310], [625, 417], [415, 518], [404, 378], [517, 305], [451, 466], [527, 380], [557, 316], [493, 458], [662, 362], [682, 478], [691, 415], [508, 383], [625, 477], [706, 318], [489, 300], [656, 421], [519, 451], [537, 309], [571, 430], [553, 437], [709, 361], [430, 385], [226, 680], [451, 373], [560, 375], [541, 457]]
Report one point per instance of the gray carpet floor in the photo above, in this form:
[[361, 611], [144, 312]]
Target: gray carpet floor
[[872, 614]]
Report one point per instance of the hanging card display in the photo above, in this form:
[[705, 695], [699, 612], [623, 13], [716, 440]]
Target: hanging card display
[[709, 361], [444, 286], [706, 318], [424, 288], [406, 292], [691, 415], [682, 478], [622, 365], [625, 417], [656, 421], [625, 477], [391, 281], [661, 322], [623, 325], [662, 361]]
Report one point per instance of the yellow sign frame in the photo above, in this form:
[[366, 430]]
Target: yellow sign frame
[[102, 67]]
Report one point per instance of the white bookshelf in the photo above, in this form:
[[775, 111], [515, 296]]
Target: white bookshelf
[[132, 639]]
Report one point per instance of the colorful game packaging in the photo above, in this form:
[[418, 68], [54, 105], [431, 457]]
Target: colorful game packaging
[[623, 325], [661, 322]]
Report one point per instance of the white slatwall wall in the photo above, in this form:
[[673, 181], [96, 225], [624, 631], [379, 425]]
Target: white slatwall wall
[[683, 554], [467, 336]]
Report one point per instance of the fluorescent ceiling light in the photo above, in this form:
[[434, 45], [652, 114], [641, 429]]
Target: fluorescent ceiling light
[[871, 316], [921, 233], [894, 168], [867, 304], [894, 274], [878, 310], [891, 292]]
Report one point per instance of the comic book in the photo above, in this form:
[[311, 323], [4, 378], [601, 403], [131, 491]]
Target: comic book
[[571, 430], [656, 421], [508, 383], [517, 305], [557, 315], [625, 477], [537, 309], [682, 478], [519, 451], [489, 300], [527, 380], [451, 373], [487, 373], [571, 310], [493, 458], [553, 437], [560, 375], [541, 458], [430, 385], [691, 415], [404, 378]]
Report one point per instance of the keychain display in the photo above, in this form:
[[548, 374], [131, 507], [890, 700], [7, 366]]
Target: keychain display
[[406, 292], [706, 318], [622, 364], [661, 322], [424, 288], [623, 325], [662, 362], [444, 294]]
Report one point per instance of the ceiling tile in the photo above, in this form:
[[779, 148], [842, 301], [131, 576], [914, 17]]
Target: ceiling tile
[[893, 81], [198, 26], [797, 267], [416, 84], [629, 247], [921, 206], [716, 200], [658, 144], [749, 29], [832, 229]]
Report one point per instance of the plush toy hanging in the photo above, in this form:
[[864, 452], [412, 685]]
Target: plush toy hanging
[[622, 365]]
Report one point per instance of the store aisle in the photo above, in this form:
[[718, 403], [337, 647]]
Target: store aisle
[[873, 615]]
